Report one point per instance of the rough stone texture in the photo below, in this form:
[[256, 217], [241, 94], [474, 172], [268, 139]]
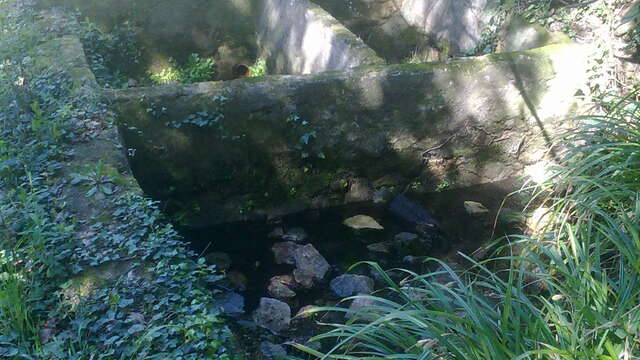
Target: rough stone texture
[[475, 208], [273, 315], [348, 285], [459, 23], [309, 261], [231, 303], [519, 35], [299, 37], [360, 222], [360, 304], [468, 121], [396, 29], [284, 252], [297, 235], [280, 287], [303, 278], [273, 351], [409, 244]]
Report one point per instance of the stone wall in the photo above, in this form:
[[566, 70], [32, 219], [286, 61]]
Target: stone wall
[[299, 37], [223, 29], [259, 147], [397, 28]]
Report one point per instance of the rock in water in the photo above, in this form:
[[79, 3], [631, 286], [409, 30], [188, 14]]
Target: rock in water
[[284, 252], [381, 247], [348, 285], [411, 244], [412, 212], [475, 208], [273, 351], [273, 315], [296, 235], [309, 261], [363, 222], [280, 287]]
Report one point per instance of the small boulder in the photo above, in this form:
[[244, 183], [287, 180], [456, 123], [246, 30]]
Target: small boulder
[[411, 244], [359, 190], [475, 208], [360, 222], [405, 237], [297, 235], [284, 252], [348, 285], [273, 351], [309, 261], [381, 247], [413, 213], [303, 278], [280, 287], [273, 315], [520, 35], [359, 304], [231, 303]]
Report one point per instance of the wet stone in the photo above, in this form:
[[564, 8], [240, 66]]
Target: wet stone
[[406, 244], [381, 247], [412, 213], [359, 304], [309, 261], [297, 235], [273, 314], [231, 303], [360, 222], [284, 252], [280, 287], [348, 285], [273, 351], [475, 208], [303, 278]]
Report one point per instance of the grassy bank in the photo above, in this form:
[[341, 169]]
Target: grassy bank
[[112, 281], [569, 291]]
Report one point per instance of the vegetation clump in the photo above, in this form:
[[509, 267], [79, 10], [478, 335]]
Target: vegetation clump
[[569, 291], [117, 285]]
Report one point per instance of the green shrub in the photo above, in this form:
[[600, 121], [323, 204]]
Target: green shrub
[[197, 69]]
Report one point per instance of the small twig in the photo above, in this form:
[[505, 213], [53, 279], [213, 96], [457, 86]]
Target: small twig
[[440, 146], [446, 141]]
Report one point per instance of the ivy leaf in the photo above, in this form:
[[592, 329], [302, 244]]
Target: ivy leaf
[[135, 329], [307, 137]]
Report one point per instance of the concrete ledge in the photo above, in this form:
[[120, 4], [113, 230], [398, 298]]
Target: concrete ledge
[[256, 147], [299, 37]]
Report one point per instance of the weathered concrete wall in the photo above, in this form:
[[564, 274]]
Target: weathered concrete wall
[[396, 28], [224, 29], [459, 22], [250, 148], [299, 37]]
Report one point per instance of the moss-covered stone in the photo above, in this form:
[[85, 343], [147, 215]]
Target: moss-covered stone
[[283, 139]]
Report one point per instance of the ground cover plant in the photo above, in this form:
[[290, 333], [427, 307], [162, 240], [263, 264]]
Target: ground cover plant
[[63, 293]]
